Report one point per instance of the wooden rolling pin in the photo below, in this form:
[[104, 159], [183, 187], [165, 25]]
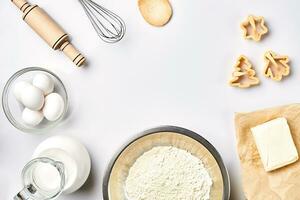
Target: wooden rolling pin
[[49, 30]]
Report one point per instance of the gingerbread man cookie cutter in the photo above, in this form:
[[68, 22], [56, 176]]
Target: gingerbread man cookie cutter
[[276, 66], [254, 28], [243, 75]]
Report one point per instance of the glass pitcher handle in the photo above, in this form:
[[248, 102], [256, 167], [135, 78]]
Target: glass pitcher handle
[[24, 193]]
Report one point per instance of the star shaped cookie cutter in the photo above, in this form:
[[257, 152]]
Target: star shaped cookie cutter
[[254, 28], [276, 66], [243, 75]]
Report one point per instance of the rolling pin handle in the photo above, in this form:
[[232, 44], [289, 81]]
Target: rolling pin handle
[[21, 4], [72, 53], [49, 30]]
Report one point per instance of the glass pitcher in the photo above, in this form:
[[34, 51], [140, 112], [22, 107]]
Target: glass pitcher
[[43, 179]]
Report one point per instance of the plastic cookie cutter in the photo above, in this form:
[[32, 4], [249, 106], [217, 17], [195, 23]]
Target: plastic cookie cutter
[[243, 75], [276, 66], [254, 28]]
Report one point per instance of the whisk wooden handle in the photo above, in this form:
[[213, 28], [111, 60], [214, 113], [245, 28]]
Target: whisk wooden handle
[[48, 30]]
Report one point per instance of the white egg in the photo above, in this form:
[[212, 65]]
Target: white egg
[[54, 106], [44, 82], [18, 88], [32, 117], [32, 97]]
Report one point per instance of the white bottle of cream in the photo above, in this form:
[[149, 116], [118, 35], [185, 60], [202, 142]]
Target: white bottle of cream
[[72, 154], [60, 165]]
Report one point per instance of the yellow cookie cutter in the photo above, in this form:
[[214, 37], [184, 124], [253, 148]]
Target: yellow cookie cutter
[[243, 75], [254, 28], [276, 66]]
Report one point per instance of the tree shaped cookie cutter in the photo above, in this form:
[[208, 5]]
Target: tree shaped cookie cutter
[[276, 66], [243, 75], [254, 28]]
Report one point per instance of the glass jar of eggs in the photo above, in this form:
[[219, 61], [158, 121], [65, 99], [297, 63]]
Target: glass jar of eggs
[[34, 99]]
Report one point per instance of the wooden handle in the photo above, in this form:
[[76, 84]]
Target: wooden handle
[[48, 30], [71, 52], [20, 3]]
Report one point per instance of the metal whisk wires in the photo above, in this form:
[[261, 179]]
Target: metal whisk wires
[[109, 26]]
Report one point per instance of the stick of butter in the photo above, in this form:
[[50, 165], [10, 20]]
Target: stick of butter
[[275, 144]]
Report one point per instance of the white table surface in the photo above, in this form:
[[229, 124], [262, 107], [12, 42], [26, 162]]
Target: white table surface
[[175, 75]]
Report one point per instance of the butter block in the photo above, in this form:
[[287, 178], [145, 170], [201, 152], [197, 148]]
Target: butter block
[[275, 144]]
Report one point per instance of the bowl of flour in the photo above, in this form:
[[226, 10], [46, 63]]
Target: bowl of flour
[[167, 163]]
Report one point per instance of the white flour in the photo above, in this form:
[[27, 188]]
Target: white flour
[[168, 173]]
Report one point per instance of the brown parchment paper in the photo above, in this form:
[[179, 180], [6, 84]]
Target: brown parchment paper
[[281, 184]]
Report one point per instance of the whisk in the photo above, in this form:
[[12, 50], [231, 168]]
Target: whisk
[[109, 26]]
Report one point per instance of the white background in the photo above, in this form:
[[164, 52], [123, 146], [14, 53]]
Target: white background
[[175, 75]]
